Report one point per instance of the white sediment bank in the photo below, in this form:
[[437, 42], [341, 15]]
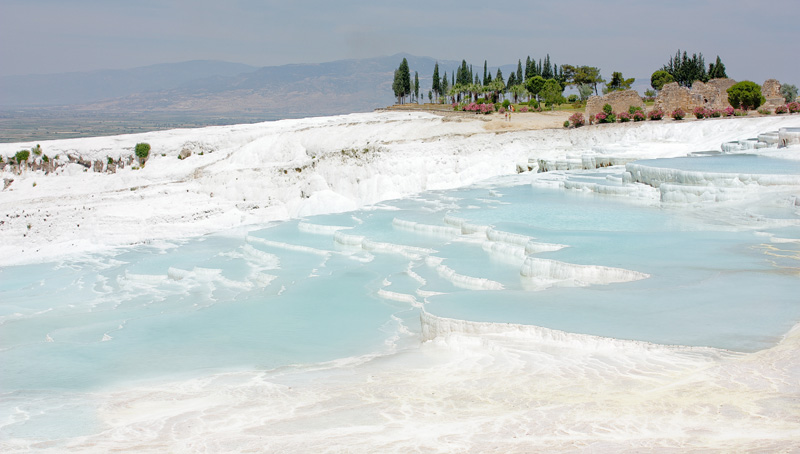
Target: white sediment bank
[[469, 386]]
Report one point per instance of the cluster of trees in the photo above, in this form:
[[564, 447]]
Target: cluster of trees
[[543, 81], [402, 84], [687, 70]]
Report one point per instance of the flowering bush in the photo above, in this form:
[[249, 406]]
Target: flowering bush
[[700, 112], [523, 109], [656, 114], [638, 116], [729, 111], [781, 109], [633, 109], [501, 110], [763, 111], [678, 114], [624, 117], [577, 119], [456, 106], [793, 107], [716, 113]]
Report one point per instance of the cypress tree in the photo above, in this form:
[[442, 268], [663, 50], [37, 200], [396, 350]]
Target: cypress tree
[[512, 79], [485, 74], [529, 69], [546, 70], [416, 86], [436, 86], [519, 71]]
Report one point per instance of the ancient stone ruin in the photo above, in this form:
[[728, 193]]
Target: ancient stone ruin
[[620, 101], [771, 90], [711, 95]]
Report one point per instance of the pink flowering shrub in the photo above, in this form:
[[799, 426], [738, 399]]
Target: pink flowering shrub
[[700, 112], [678, 114], [624, 117], [793, 107], [523, 109], [716, 113], [781, 109], [577, 119], [656, 114], [501, 110], [638, 116], [729, 111]]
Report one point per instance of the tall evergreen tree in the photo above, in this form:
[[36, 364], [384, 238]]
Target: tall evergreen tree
[[512, 79], [416, 86], [402, 82], [485, 74], [519, 71], [547, 72], [499, 75], [528, 68], [687, 70], [717, 70], [436, 86], [443, 85]]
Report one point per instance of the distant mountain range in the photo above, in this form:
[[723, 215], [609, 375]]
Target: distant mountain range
[[220, 88]]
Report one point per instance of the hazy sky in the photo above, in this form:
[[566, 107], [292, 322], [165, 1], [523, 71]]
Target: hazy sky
[[756, 40]]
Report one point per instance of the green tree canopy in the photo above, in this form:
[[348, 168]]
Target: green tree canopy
[[660, 78], [789, 92], [618, 82], [551, 92], [717, 70], [535, 85], [746, 95], [687, 70]]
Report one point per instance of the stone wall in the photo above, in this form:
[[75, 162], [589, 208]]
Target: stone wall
[[620, 101], [711, 95], [673, 96]]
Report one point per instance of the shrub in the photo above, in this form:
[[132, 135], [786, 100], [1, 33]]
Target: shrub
[[37, 150], [746, 95], [729, 111], [678, 114], [793, 107], [506, 103], [501, 110], [700, 112], [142, 151], [572, 98], [566, 123], [607, 109], [533, 103], [577, 119], [633, 109], [638, 116], [22, 156], [624, 117], [656, 114], [45, 158], [603, 117], [591, 119], [716, 113], [523, 109], [763, 111], [740, 113]]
